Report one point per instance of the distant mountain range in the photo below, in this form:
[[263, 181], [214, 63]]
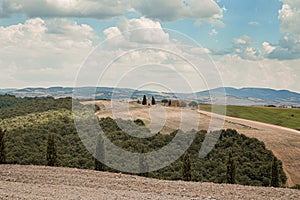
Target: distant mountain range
[[243, 96]]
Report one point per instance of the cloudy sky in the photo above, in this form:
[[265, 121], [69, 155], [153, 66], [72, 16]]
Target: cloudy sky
[[249, 43]]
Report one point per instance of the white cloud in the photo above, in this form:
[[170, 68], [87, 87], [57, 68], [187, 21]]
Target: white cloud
[[268, 73], [268, 47], [165, 10], [254, 23], [289, 45], [290, 17], [66, 8], [242, 47], [199, 51], [244, 40], [142, 31], [44, 49], [288, 48], [176, 9], [48, 52], [213, 32], [138, 51], [252, 53]]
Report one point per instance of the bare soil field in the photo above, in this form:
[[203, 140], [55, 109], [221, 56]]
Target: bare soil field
[[38, 182], [283, 142]]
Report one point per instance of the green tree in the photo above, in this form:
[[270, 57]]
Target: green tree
[[231, 169], [153, 102], [274, 173], [182, 104], [143, 163], [186, 167], [165, 101], [2, 147], [139, 122], [193, 104], [97, 108], [144, 102], [100, 154], [51, 150], [170, 102]]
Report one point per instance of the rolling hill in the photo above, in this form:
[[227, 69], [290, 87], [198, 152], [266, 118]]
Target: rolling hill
[[27, 132], [243, 96]]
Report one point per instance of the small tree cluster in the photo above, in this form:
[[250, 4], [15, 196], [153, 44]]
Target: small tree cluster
[[144, 101], [139, 122], [165, 101], [182, 104], [193, 104]]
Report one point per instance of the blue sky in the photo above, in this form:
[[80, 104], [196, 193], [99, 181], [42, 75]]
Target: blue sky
[[252, 43]]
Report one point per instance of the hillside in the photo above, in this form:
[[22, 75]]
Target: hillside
[[258, 95], [286, 117], [38, 182], [27, 134], [283, 142], [243, 96]]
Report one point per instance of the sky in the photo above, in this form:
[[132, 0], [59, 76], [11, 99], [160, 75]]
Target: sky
[[150, 44]]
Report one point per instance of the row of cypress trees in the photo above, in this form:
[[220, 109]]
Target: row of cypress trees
[[144, 101]]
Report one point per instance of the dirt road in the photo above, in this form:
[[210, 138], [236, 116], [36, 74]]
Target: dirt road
[[37, 182]]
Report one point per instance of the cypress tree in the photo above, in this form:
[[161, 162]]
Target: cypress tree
[[143, 164], [153, 102], [51, 151], [274, 173], [2, 147], [100, 154], [231, 169], [144, 102], [186, 168]]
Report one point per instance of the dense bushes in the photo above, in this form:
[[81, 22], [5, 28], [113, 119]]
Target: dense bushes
[[11, 106], [252, 160]]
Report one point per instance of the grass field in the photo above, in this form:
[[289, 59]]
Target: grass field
[[289, 118]]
